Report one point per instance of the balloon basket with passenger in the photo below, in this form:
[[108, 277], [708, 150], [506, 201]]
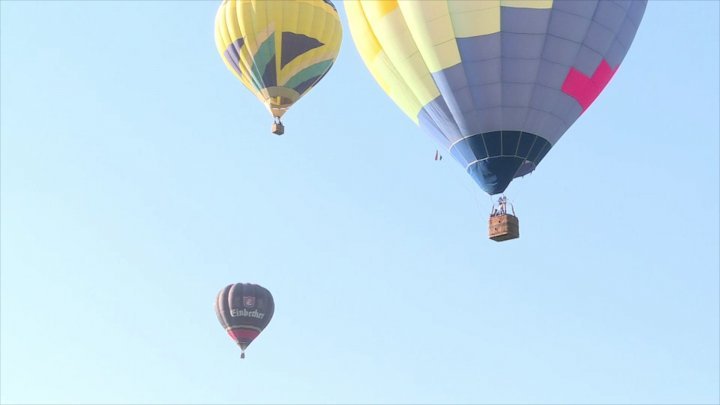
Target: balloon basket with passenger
[[277, 127], [503, 225]]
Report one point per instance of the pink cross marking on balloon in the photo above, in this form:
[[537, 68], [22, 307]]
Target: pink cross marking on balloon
[[585, 89]]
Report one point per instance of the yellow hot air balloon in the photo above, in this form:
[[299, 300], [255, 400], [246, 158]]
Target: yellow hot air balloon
[[279, 49]]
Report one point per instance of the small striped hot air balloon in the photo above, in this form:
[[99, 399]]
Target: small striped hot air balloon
[[279, 49], [244, 310]]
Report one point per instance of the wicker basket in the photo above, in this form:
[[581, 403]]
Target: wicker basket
[[278, 128], [503, 227]]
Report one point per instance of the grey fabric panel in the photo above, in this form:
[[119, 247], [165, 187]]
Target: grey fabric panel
[[624, 4], [524, 20], [475, 80], [452, 78], [560, 50], [552, 74], [543, 98], [439, 113], [520, 70], [472, 123], [551, 126], [431, 126], [547, 124], [476, 121], [522, 49], [463, 100], [582, 8], [556, 132], [636, 11], [487, 96], [623, 40], [479, 48], [485, 72], [587, 61], [462, 104], [552, 110], [535, 122], [569, 26], [609, 15], [458, 104], [559, 54], [454, 92], [626, 33], [567, 109], [599, 38], [514, 118], [516, 95], [528, 46], [615, 54], [490, 119]]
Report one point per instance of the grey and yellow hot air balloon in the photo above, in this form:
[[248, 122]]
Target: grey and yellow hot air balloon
[[279, 49], [495, 82]]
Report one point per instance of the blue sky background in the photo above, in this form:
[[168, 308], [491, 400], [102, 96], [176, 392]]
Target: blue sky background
[[139, 177]]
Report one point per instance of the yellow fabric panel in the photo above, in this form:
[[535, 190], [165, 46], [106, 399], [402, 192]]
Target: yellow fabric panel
[[386, 6], [366, 43], [232, 24], [377, 61], [474, 18], [431, 28], [227, 31], [482, 17], [256, 23], [399, 46], [527, 3]]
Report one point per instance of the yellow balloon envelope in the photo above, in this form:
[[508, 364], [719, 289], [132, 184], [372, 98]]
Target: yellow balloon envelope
[[279, 49]]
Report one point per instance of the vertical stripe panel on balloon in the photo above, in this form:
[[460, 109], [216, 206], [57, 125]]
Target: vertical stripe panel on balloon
[[399, 46], [377, 61], [431, 28], [553, 111], [300, 42], [523, 39]]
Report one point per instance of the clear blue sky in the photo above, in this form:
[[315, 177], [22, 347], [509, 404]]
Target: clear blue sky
[[139, 177]]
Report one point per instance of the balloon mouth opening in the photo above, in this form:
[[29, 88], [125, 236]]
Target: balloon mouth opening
[[279, 99]]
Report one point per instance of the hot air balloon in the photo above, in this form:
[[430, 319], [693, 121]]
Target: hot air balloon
[[244, 310], [279, 49], [496, 83]]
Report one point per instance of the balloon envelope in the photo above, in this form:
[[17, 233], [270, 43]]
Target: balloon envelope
[[244, 310], [497, 83], [278, 49]]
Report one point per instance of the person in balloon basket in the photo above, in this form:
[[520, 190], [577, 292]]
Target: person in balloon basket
[[501, 209]]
